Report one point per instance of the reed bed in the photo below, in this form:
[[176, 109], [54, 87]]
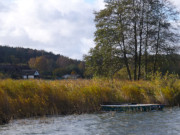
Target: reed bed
[[27, 98]]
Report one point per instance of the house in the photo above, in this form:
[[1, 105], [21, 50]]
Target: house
[[66, 76], [30, 74], [70, 76]]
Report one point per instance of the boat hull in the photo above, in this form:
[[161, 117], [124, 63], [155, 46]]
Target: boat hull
[[133, 107]]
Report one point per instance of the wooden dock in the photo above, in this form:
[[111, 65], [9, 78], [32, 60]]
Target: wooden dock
[[132, 107]]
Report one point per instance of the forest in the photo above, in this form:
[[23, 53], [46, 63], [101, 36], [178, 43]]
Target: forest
[[49, 65]]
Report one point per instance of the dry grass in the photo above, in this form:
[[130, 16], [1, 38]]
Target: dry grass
[[27, 98]]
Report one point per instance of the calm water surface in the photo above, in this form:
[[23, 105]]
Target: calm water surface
[[165, 122]]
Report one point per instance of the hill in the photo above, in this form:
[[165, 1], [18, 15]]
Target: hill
[[48, 64]]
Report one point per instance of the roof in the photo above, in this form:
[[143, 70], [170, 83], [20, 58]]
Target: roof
[[30, 72]]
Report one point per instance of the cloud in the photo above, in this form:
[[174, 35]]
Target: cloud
[[62, 26], [176, 3]]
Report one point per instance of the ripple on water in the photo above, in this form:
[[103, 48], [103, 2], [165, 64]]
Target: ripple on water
[[165, 122]]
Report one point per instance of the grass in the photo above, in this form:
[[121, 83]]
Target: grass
[[27, 98]]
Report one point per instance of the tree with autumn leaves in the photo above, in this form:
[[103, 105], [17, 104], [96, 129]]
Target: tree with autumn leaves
[[49, 67]]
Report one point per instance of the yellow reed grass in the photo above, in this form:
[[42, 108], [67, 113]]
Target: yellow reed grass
[[27, 98]]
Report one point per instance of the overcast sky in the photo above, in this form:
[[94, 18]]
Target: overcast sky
[[63, 27]]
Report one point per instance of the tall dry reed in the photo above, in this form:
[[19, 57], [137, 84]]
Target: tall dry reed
[[27, 98]]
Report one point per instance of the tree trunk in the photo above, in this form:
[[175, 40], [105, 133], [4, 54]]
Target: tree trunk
[[146, 53], [125, 52], [140, 47], [157, 50], [135, 43], [146, 44], [126, 60]]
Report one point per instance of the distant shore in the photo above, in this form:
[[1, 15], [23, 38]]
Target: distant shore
[[28, 98]]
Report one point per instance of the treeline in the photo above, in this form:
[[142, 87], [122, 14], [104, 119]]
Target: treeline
[[50, 66], [136, 37]]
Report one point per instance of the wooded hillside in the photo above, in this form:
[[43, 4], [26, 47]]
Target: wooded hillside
[[48, 64]]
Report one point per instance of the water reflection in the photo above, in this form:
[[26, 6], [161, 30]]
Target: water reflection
[[141, 123]]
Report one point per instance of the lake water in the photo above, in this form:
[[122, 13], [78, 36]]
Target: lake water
[[166, 122]]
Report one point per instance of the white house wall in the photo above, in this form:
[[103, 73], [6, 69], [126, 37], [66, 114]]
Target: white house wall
[[24, 76], [30, 77]]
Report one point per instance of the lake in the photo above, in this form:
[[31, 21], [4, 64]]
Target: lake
[[166, 122]]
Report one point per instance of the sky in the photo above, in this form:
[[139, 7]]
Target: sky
[[63, 27]]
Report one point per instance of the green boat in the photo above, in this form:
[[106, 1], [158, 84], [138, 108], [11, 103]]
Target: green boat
[[132, 107]]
